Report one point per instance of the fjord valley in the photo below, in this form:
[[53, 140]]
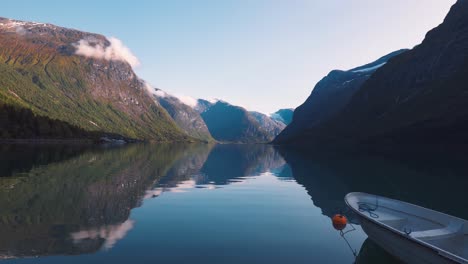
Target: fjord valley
[[52, 88], [42, 74], [205, 139]]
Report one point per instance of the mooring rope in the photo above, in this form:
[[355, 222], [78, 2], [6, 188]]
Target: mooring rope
[[365, 207]]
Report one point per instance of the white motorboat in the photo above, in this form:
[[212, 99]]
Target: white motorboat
[[411, 233]]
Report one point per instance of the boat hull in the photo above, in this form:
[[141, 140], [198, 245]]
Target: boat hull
[[399, 246]]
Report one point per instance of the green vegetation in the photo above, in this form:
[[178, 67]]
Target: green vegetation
[[34, 96], [21, 123], [87, 94]]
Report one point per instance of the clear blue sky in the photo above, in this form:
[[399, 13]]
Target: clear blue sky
[[261, 54]]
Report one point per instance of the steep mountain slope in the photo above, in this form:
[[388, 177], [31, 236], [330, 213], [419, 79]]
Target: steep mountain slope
[[273, 127], [418, 97], [187, 118], [421, 96], [229, 123], [95, 90], [284, 116], [330, 95]]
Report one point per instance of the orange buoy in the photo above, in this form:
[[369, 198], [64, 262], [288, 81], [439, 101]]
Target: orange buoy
[[339, 221]]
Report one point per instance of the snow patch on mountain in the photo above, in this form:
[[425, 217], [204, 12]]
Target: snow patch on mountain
[[21, 27], [370, 68], [277, 117]]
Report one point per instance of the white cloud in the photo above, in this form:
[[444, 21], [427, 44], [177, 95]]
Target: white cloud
[[148, 87], [115, 51], [160, 93], [154, 91], [187, 100], [190, 101]]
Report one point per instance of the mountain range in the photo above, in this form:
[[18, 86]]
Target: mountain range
[[418, 97], [217, 120], [60, 83], [230, 123]]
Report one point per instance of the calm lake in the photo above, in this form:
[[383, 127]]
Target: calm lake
[[203, 203]]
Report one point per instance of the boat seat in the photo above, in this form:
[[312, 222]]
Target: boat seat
[[440, 233]]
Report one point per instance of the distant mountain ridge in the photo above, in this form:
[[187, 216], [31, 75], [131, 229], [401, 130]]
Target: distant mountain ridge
[[42, 71], [230, 123], [217, 120]]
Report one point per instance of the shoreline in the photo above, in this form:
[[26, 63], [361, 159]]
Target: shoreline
[[49, 141]]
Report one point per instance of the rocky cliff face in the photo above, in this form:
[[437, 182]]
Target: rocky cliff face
[[271, 126], [330, 96], [187, 118], [80, 78]]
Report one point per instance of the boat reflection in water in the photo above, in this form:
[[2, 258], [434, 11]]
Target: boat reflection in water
[[371, 253]]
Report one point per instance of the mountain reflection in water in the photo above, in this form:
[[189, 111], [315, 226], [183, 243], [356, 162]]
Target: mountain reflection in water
[[70, 200], [43, 209]]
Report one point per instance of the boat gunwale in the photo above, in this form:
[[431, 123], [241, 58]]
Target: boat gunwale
[[441, 252]]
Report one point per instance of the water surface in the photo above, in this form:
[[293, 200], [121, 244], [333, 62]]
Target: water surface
[[202, 203]]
